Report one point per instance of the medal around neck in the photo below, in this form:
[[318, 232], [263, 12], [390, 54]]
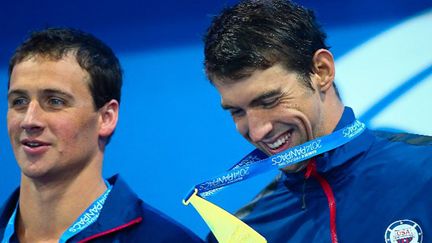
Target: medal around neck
[[226, 227]]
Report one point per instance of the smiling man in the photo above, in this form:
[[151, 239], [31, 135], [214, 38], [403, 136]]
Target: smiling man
[[275, 75], [63, 105]]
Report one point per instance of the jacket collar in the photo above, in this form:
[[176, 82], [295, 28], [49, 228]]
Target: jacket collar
[[109, 217], [330, 160], [121, 207], [339, 156]]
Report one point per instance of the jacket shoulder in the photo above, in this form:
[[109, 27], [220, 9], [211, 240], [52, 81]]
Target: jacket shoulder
[[406, 138]]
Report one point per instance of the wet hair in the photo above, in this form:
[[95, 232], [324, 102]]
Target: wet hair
[[256, 34], [91, 54]]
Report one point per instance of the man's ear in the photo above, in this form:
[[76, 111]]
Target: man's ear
[[323, 69], [108, 118]]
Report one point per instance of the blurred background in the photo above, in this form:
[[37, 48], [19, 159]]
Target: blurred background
[[173, 134]]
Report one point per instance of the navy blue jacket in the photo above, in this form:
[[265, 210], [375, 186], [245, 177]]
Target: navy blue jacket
[[124, 218], [381, 184]]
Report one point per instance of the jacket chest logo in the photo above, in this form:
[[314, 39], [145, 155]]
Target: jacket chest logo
[[404, 231]]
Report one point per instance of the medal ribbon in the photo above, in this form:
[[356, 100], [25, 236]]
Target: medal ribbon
[[88, 217], [228, 228]]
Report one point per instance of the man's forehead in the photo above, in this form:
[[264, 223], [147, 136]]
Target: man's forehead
[[47, 65], [39, 73], [52, 56]]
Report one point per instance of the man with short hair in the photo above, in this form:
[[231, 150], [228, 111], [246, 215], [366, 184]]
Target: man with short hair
[[275, 74], [63, 105]]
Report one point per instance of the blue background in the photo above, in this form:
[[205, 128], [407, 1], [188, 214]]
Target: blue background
[[172, 132]]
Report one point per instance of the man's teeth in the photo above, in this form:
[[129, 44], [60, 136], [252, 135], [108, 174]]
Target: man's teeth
[[278, 142], [33, 144]]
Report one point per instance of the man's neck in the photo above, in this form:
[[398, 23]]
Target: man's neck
[[46, 210], [333, 110]]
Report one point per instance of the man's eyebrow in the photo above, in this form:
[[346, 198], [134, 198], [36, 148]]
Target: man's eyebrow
[[268, 94], [17, 92], [257, 100], [56, 92], [226, 107]]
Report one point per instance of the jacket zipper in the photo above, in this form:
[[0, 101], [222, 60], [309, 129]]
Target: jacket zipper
[[312, 171]]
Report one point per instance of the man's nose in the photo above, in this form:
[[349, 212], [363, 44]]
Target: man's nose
[[32, 120], [259, 125]]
